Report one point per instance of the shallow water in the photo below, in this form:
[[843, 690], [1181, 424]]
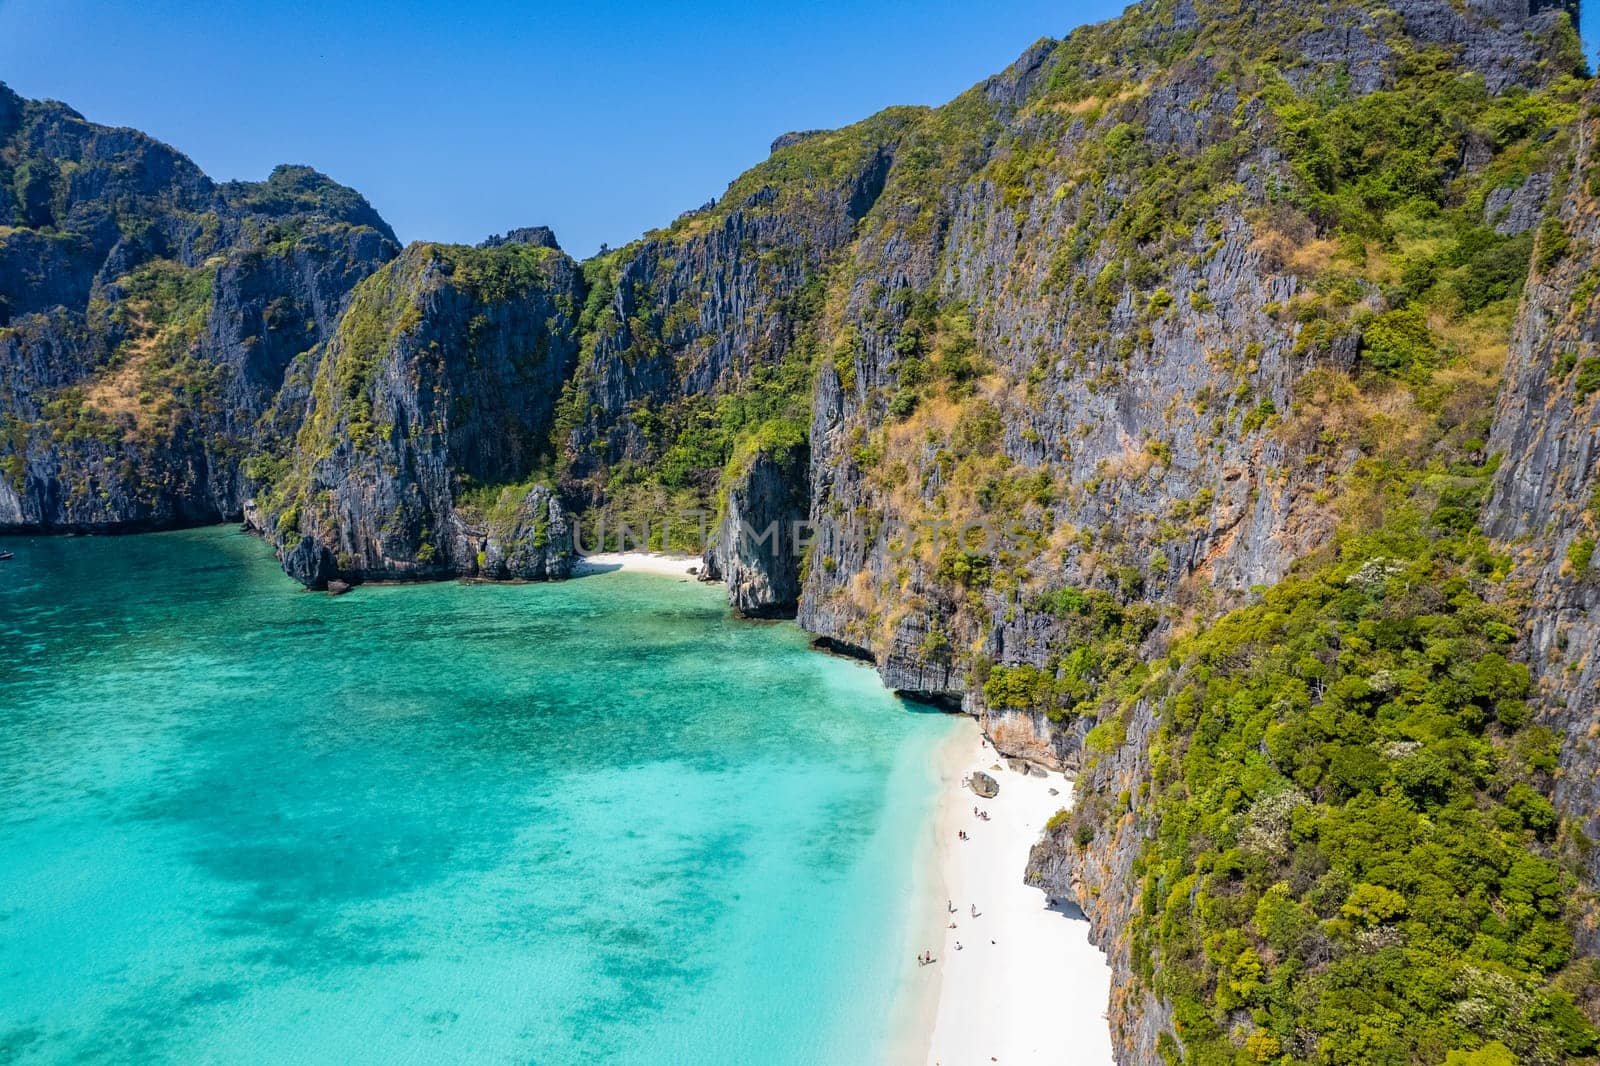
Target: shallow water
[[598, 821]]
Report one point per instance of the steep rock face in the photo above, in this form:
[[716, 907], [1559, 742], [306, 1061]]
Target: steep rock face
[[1102, 878], [718, 299], [432, 403], [533, 542], [1546, 502], [540, 236], [757, 547], [1129, 433], [1078, 359], [148, 318]]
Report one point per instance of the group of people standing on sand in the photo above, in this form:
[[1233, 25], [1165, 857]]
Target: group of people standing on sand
[[962, 834], [927, 957]]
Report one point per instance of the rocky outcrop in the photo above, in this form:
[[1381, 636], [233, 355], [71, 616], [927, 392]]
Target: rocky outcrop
[[1152, 416], [1513, 209], [756, 549], [531, 543], [719, 299], [784, 140], [149, 318], [1030, 734], [538, 236], [1099, 872], [1056, 368], [1113, 402], [1546, 502], [430, 407]]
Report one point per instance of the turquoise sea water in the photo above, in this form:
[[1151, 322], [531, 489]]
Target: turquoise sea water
[[598, 821]]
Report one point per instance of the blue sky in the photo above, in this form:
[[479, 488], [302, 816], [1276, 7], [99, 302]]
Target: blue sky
[[456, 120]]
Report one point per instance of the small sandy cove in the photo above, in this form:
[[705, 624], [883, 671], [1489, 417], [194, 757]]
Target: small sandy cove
[[1025, 987], [644, 562]]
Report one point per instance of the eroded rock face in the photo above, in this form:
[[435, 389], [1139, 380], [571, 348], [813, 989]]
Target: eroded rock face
[[533, 544], [1141, 416], [699, 310], [1125, 413], [177, 352], [538, 236], [442, 377], [1029, 734], [1546, 502], [149, 317], [1517, 208], [1099, 876], [757, 548]]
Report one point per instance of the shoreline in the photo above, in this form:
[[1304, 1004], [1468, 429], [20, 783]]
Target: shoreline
[[640, 562], [1039, 992], [916, 1013]]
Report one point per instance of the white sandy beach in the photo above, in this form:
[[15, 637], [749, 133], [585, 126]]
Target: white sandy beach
[[643, 562], [1025, 985]]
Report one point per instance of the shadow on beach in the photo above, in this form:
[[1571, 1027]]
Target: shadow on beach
[[1067, 908]]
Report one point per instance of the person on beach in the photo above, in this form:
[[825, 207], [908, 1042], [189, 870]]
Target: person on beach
[[974, 910]]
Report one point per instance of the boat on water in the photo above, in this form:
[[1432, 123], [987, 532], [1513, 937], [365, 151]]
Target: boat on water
[[6, 555]]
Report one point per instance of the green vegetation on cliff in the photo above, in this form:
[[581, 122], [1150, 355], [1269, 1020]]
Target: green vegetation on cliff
[[1353, 853], [383, 327], [1144, 163], [1170, 303], [1354, 860]]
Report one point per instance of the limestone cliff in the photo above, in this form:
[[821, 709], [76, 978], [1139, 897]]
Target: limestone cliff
[[1546, 501], [429, 410], [1050, 379], [756, 549], [149, 318]]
